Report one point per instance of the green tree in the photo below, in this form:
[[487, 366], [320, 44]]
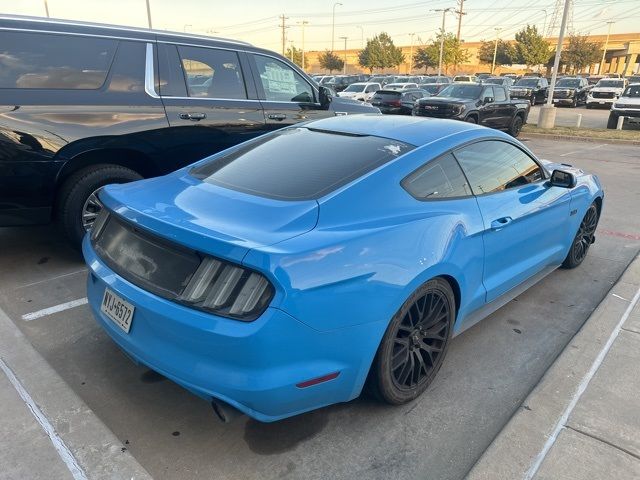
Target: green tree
[[531, 48], [330, 61], [295, 55], [505, 53], [426, 57], [580, 52], [452, 54], [380, 52]]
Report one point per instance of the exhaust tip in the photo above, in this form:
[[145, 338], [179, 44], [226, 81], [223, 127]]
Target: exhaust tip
[[225, 412]]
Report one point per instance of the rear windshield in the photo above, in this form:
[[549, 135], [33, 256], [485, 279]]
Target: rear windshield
[[299, 163], [494, 81], [387, 94]]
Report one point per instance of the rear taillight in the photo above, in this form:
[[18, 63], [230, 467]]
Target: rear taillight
[[227, 290], [395, 103]]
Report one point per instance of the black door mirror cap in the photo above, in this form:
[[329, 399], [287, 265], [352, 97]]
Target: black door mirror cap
[[325, 96], [488, 100], [563, 179]]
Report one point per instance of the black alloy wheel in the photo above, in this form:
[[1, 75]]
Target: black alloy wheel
[[471, 119], [583, 239], [415, 343], [516, 126]]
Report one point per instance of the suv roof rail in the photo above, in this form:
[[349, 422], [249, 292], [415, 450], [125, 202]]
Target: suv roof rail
[[79, 23]]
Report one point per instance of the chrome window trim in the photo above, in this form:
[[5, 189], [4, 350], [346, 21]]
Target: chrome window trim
[[75, 34]]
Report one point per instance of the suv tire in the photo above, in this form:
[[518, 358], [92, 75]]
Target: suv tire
[[77, 189]]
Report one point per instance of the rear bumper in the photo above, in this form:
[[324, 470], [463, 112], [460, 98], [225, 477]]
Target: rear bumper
[[254, 366], [631, 113]]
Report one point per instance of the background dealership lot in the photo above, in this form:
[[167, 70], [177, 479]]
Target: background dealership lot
[[489, 370]]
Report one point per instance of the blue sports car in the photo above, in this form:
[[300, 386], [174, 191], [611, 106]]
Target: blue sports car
[[282, 274]]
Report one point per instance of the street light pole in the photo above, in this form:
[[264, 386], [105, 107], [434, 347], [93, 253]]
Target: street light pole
[[495, 50], [149, 14], [303, 23], [444, 13], [46, 8], [604, 51], [411, 54], [344, 67], [333, 24]]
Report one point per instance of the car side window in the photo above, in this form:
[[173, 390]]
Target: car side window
[[212, 73], [439, 178], [500, 95], [49, 61], [172, 83], [493, 165], [488, 92], [281, 83]]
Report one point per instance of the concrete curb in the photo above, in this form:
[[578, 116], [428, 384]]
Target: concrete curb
[[552, 136], [516, 447], [96, 449]]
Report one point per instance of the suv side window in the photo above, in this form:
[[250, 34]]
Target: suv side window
[[172, 82], [488, 92], [440, 178], [212, 73], [50, 61], [283, 84], [500, 95], [493, 165]]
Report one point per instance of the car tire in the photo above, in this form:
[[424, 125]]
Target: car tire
[[612, 122], [471, 119], [575, 102], [588, 106], [76, 193], [516, 126], [533, 100], [583, 239], [414, 344]]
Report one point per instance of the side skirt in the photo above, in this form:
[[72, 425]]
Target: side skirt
[[502, 300]]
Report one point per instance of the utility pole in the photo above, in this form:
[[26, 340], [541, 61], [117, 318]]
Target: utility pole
[[444, 13], [283, 26], [495, 49], [344, 68], [361, 35], [460, 13], [547, 117], [333, 24], [604, 51], [46, 8], [411, 54], [148, 14], [303, 23]]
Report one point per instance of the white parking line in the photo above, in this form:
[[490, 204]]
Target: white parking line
[[53, 278], [62, 449], [562, 421], [55, 309], [584, 150]]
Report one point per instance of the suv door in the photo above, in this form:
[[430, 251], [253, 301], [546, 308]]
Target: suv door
[[543, 88], [209, 98], [505, 109], [286, 96], [488, 111], [525, 219]]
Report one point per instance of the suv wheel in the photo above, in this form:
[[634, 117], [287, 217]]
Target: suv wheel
[[78, 205], [533, 99], [516, 126]]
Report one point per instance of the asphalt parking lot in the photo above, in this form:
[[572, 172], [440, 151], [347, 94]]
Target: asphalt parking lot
[[488, 372]]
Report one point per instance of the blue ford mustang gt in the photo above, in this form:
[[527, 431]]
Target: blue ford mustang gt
[[282, 274]]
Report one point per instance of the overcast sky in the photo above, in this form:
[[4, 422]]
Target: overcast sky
[[257, 21]]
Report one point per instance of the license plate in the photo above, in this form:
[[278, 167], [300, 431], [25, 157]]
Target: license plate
[[601, 103], [555, 101], [117, 309]]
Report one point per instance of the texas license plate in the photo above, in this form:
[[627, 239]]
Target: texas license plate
[[117, 309]]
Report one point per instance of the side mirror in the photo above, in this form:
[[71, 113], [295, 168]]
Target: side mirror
[[488, 100], [560, 178], [325, 96]]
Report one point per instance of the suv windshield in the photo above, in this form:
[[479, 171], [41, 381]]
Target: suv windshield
[[568, 83], [632, 91], [355, 87], [527, 82], [610, 83], [299, 163], [461, 91], [493, 81]]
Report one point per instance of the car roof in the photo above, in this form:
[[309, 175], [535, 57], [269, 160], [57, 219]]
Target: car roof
[[416, 131]]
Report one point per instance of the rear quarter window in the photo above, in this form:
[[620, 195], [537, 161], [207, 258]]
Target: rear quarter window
[[52, 61]]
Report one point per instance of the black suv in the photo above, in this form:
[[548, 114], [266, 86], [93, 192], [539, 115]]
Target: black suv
[[487, 105], [534, 89], [571, 91], [84, 105]]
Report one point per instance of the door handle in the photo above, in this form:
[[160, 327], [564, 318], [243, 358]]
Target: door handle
[[195, 117], [277, 116], [501, 223]]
